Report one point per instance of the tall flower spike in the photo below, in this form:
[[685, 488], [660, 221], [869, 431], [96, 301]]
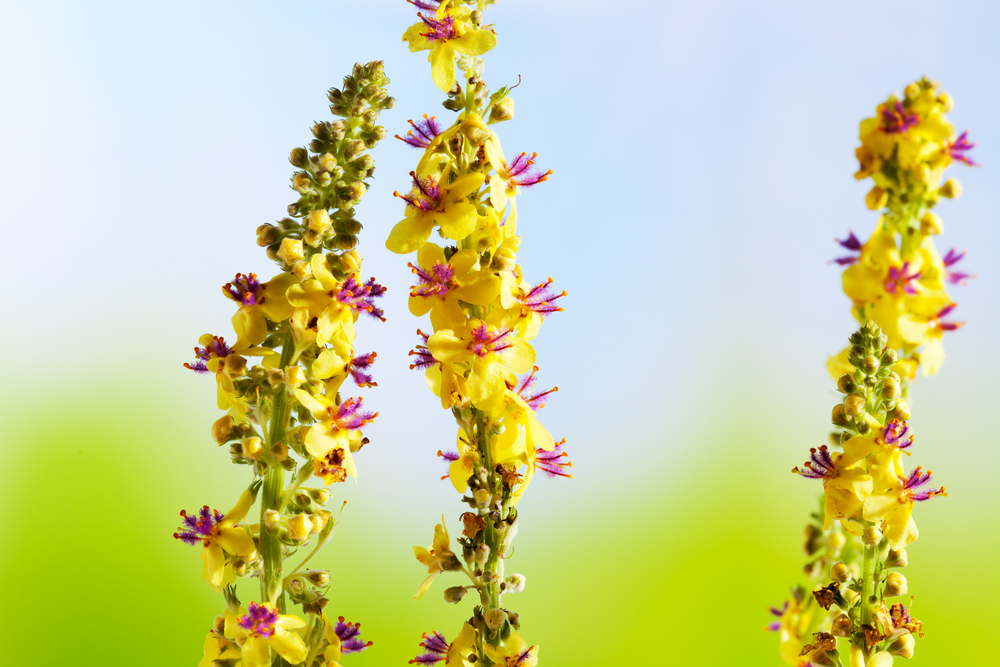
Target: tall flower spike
[[477, 357], [284, 413]]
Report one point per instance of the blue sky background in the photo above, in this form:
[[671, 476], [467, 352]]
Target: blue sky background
[[703, 158]]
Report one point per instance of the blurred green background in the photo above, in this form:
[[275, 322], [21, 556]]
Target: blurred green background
[[703, 155]]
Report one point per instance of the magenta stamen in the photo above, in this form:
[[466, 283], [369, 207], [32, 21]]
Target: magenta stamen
[[899, 279], [519, 172], [917, 479], [895, 433], [437, 649], [438, 31], [347, 416], [260, 620], [955, 277], [550, 463], [534, 401], [360, 298], [217, 348], [202, 527], [851, 243], [424, 357], [436, 281], [244, 290], [484, 342], [350, 636], [957, 150], [819, 466], [357, 368], [540, 299], [895, 120], [426, 131]]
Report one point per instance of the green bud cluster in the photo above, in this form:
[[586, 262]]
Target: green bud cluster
[[874, 390], [332, 176]]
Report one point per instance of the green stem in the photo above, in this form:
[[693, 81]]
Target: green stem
[[492, 536], [271, 496], [867, 590]]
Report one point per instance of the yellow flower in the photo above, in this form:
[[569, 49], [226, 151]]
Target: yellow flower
[[514, 653], [917, 128], [449, 32], [435, 201], [331, 441], [342, 637], [228, 364], [438, 558], [462, 467], [494, 356], [893, 506], [262, 629], [880, 659], [219, 535], [325, 306], [443, 283], [258, 304], [218, 648]]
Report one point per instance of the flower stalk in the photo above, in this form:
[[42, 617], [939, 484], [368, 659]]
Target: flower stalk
[[287, 413]]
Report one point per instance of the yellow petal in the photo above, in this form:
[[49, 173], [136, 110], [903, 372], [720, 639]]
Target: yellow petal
[[256, 652], [410, 234], [458, 220], [447, 347], [442, 59], [474, 42], [288, 644], [425, 585]]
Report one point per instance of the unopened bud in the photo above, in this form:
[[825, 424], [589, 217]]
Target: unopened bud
[[234, 366], [301, 182], [302, 269], [350, 261], [321, 496], [902, 413], [876, 199], [841, 626], [345, 241], [291, 250], [454, 594], [931, 224], [845, 384], [854, 406], [502, 110], [474, 129], [318, 221], [317, 577], [280, 451], [903, 646], [357, 190], [871, 536], [327, 161], [222, 429], [354, 148], [300, 527], [271, 520], [274, 376], [267, 234], [951, 189], [870, 364], [911, 91], [946, 101], [482, 497], [839, 416], [252, 448], [895, 585], [896, 558], [515, 583], [482, 554], [494, 618], [922, 173], [889, 357], [299, 157], [890, 388], [840, 573]]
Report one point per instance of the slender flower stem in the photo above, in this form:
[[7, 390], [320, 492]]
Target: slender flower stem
[[867, 588]]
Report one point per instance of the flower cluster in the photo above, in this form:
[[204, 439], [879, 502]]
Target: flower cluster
[[285, 413], [867, 490], [897, 277], [478, 358]]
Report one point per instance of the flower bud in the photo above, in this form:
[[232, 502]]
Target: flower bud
[[252, 448], [345, 241], [482, 554], [318, 221], [222, 429], [895, 585], [482, 498], [871, 536], [299, 157], [291, 250], [327, 161], [876, 199], [302, 269], [502, 110], [300, 527], [854, 406], [901, 412], [870, 364], [896, 558], [275, 376], [922, 173], [317, 577], [951, 189], [294, 376], [889, 357], [840, 573], [931, 224], [301, 182], [946, 101], [357, 190], [903, 646], [911, 91], [845, 384], [280, 452], [841, 626], [474, 129], [515, 583], [271, 520], [494, 618], [350, 261], [454, 594], [891, 389], [267, 234], [355, 147], [839, 417], [320, 496]]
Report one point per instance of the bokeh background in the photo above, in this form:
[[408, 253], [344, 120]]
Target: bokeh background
[[703, 154]]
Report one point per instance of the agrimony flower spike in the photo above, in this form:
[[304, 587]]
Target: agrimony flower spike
[[286, 413], [477, 358]]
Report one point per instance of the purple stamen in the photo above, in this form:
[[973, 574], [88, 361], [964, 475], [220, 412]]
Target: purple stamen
[[819, 466], [549, 463], [540, 299], [260, 620], [425, 195], [423, 355], [895, 433], [449, 457], [426, 131], [348, 416], [357, 368], [955, 277], [350, 636], [437, 649], [851, 243], [917, 479], [899, 279], [485, 341], [947, 326], [519, 172], [199, 528], [438, 31], [895, 120], [360, 297], [244, 290], [425, 4], [957, 150], [217, 348], [436, 281], [534, 401]]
